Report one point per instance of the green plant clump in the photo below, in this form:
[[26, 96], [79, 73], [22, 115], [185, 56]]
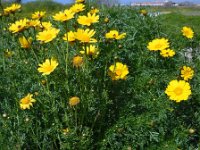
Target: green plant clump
[[84, 77]]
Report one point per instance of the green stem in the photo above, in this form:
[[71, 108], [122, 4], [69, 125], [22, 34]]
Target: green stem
[[35, 55], [4, 66], [76, 119], [66, 67], [66, 58], [47, 86]]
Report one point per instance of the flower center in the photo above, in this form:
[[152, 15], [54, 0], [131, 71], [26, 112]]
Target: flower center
[[118, 72], [25, 101], [85, 38], [187, 32], [89, 20], [178, 91], [49, 68], [187, 73], [48, 36], [158, 46], [114, 35]]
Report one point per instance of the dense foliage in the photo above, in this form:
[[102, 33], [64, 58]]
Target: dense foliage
[[81, 100]]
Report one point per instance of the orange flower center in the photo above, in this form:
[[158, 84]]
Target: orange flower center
[[77, 61], [48, 36], [89, 20], [178, 91], [158, 46], [187, 32], [187, 73], [85, 38], [48, 68], [25, 100], [118, 72]]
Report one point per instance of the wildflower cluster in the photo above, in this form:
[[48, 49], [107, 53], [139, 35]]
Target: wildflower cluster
[[177, 90], [161, 45], [80, 79], [66, 52]]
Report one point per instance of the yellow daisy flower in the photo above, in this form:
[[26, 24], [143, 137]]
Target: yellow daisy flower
[[69, 36], [64, 16], [114, 34], [18, 26], [46, 25], [11, 9], [158, 44], [88, 20], [38, 14], [76, 8], [47, 35], [118, 71], [178, 90], [187, 32], [187, 73], [26, 102], [73, 101], [8, 53], [65, 131], [167, 53], [91, 51], [85, 36], [48, 66], [24, 42], [143, 12], [94, 10], [106, 20], [77, 61], [33, 23], [80, 1]]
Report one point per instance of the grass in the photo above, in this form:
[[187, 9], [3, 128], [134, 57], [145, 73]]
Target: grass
[[188, 11]]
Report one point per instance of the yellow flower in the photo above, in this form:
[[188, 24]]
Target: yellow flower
[[80, 1], [27, 101], [88, 20], [33, 23], [73, 101], [187, 73], [11, 9], [85, 36], [69, 36], [64, 16], [24, 42], [167, 53], [114, 34], [76, 8], [38, 14], [94, 11], [65, 131], [47, 35], [91, 51], [178, 90], [46, 25], [106, 20], [77, 61], [143, 12], [8, 53], [48, 66], [158, 44], [118, 71], [187, 32], [18, 26]]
